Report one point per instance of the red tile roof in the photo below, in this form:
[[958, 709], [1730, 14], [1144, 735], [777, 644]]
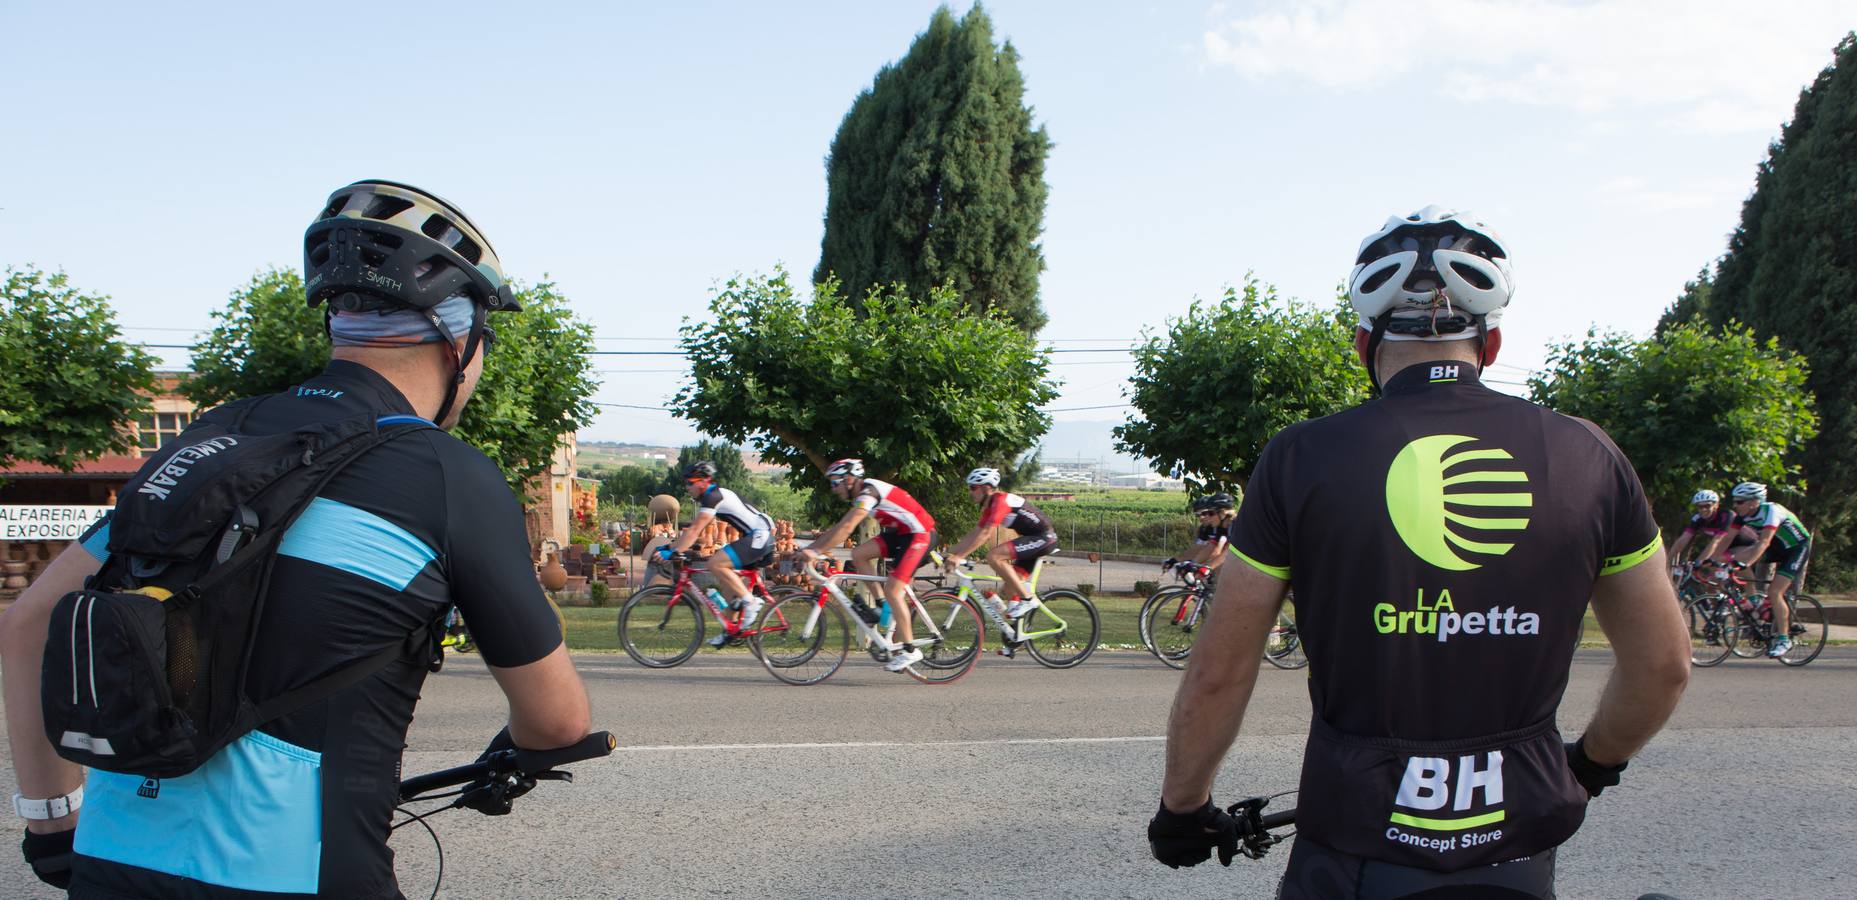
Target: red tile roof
[[104, 467]]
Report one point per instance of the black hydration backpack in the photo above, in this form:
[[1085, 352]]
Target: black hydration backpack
[[145, 668]]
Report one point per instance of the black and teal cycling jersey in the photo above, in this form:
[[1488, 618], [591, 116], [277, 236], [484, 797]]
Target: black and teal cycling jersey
[[1441, 543], [301, 806], [728, 506], [1789, 531]]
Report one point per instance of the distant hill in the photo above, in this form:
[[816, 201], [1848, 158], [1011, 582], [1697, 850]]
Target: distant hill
[[614, 454], [1089, 441]]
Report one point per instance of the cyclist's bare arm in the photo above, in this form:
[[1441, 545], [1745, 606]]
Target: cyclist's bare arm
[[968, 544], [835, 535], [1637, 610], [41, 771], [548, 705], [1216, 554], [1682, 542], [1210, 703], [1760, 544]]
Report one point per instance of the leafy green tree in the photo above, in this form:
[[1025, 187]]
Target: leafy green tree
[[1691, 409], [533, 392], [1692, 305], [731, 472], [632, 484], [1791, 273], [69, 385], [922, 391], [1223, 379], [936, 176], [265, 339]]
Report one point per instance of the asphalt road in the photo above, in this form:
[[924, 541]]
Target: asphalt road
[[1018, 781]]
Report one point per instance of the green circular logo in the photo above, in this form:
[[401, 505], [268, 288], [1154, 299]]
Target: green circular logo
[[1433, 498]]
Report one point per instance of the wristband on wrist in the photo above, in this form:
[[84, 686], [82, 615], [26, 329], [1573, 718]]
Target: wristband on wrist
[[50, 808]]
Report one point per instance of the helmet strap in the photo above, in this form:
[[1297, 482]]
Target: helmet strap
[[459, 362], [1373, 347]]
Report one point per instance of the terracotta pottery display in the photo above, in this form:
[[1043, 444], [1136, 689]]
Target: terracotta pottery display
[[15, 575], [553, 575]]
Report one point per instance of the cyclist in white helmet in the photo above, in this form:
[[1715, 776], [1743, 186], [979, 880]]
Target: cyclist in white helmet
[[1442, 541], [907, 532], [1780, 539], [1719, 527], [1013, 559]]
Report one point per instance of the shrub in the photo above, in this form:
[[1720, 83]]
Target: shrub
[[1147, 588], [1086, 589], [597, 593]]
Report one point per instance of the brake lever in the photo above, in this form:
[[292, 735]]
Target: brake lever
[[553, 775], [1253, 840]]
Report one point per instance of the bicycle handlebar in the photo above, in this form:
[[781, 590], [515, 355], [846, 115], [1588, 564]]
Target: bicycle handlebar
[[519, 762], [1254, 827]]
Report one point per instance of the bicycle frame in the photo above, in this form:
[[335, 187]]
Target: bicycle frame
[[1011, 631], [685, 590], [828, 586]]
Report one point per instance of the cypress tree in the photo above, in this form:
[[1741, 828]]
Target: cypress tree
[[1791, 273], [936, 176]]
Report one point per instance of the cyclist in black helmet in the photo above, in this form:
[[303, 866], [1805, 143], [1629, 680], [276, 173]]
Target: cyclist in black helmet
[[1442, 542], [753, 548], [300, 806]]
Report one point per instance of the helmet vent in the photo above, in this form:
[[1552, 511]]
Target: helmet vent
[[440, 229], [372, 256], [386, 207], [431, 270], [1378, 278], [1476, 277]]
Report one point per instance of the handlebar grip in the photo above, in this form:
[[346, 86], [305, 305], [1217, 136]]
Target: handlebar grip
[[597, 744], [1278, 819]]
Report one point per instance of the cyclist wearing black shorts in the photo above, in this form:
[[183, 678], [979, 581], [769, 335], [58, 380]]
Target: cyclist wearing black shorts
[[1013, 559], [300, 807], [753, 548], [1719, 531], [1442, 542], [1783, 541]]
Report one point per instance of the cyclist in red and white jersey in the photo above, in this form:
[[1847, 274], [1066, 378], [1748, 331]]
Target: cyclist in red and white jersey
[[908, 532], [1036, 537]]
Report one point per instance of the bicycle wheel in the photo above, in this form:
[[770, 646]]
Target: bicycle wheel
[[1284, 648], [800, 641], [1173, 623], [659, 629], [955, 625], [1713, 629], [1809, 630], [1147, 607], [1062, 630]]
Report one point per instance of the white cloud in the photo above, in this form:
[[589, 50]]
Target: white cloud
[[1709, 66]]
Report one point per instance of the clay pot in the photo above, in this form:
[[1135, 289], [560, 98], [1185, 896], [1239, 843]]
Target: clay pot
[[553, 575]]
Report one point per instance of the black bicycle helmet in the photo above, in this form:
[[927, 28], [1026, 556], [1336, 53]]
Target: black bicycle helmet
[[385, 245], [1220, 500], [704, 469]]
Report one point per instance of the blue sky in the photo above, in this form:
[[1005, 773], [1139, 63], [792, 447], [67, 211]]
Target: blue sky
[[638, 155]]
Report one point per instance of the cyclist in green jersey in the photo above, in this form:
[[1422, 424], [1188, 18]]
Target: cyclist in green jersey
[[1442, 542], [1780, 539]]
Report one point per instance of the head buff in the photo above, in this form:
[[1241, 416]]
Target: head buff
[[400, 327]]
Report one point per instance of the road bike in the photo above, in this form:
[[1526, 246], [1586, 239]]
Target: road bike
[[1172, 618], [663, 625], [492, 784], [1061, 629], [1808, 626], [804, 637]]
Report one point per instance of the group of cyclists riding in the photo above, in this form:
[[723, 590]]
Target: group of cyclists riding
[[906, 533], [1753, 531]]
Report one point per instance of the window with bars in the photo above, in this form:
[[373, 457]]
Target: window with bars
[[155, 429]]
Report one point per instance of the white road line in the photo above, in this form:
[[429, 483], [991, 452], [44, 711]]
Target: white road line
[[860, 745]]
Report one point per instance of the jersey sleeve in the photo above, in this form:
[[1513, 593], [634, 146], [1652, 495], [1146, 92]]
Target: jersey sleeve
[[1630, 529], [1261, 534], [706, 504], [866, 499], [995, 511], [491, 576]]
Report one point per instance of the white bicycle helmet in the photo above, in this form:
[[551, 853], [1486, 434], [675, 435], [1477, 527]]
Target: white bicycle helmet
[[983, 476], [1705, 496], [1749, 490], [1436, 271], [845, 468]]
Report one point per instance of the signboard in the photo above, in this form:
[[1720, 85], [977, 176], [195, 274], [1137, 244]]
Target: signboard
[[47, 523]]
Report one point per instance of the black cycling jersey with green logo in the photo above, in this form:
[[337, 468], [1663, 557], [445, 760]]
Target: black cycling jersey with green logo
[[1441, 542]]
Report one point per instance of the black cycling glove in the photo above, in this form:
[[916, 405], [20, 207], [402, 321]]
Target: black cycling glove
[[50, 856], [1188, 839], [1591, 775]]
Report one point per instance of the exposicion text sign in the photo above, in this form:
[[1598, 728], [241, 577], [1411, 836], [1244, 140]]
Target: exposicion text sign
[[47, 523]]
